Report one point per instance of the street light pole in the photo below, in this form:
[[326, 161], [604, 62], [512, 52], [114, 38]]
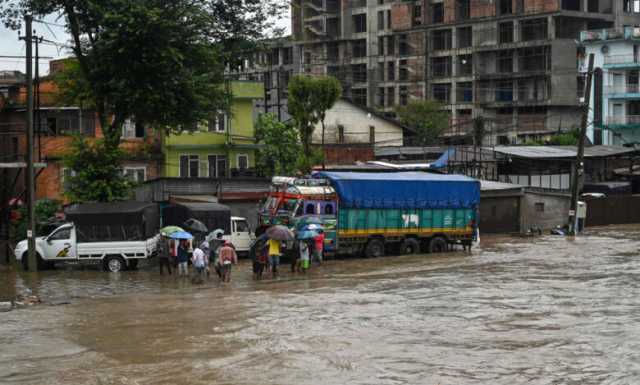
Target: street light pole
[[578, 169], [31, 220]]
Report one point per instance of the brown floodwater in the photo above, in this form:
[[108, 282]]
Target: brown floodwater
[[548, 310]]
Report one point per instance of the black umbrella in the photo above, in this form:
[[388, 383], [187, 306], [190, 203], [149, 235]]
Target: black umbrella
[[195, 226]]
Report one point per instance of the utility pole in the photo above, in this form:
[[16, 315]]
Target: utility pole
[[578, 169], [31, 220], [278, 94]]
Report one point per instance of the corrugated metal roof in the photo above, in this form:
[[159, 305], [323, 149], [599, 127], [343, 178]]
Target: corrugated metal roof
[[489, 185], [559, 152]]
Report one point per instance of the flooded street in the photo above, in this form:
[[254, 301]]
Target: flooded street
[[549, 310]]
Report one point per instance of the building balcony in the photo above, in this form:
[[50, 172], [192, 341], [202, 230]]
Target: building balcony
[[610, 34], [622, 61], [623, 121], [627, 91]]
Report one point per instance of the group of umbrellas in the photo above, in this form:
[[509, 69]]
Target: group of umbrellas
[[307, 228], [176, 232]]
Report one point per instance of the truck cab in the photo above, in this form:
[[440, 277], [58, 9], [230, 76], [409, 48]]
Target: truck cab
[[241, 236]]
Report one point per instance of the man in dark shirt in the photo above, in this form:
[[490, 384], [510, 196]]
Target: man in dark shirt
[[183, 259]]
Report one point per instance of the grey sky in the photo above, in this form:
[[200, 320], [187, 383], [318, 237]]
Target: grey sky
[[11, 46]]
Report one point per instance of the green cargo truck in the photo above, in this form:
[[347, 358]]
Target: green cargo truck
[[403, 212]]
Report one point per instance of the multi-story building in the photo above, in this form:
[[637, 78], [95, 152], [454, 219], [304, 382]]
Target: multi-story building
[[223, 147], [615, 98], [511, 62]]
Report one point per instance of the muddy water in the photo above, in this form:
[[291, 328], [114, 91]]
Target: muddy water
[[544, 311]]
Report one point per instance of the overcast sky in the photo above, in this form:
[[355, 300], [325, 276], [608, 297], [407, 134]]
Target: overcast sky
[[11, 46]]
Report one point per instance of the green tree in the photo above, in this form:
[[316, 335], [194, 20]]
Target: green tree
[[327, 92], [97, 175], [281, 149], [301, 106], [426, 117], [159, 62], [45, 210]]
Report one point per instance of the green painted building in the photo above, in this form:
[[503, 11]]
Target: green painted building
[[222, 147]]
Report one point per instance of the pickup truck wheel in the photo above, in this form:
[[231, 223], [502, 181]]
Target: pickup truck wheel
[[114, 263], [375, 248], [438, 245], [409, 246]]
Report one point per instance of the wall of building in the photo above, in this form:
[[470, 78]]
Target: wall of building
[[544, 210], [357, 124]]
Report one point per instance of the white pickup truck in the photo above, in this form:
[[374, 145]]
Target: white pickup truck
[[62, 246]]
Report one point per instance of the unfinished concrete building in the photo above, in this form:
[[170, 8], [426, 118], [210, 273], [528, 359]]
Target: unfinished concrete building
[[512, 62]]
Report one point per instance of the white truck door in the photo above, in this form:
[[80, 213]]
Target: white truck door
[[59, 245], [240, 234]]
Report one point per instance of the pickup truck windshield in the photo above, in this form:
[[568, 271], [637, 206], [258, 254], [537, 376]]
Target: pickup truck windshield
[[61, 234]]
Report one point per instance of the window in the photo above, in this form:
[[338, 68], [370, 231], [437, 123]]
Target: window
[[372, 134], [442, 92], [417, 15], [359, 72], [437, 12], [130, 129], [539, 207], [61, 234], [404, 48], [534, 59], [441, 66], [505, 62], [189, 166], [359, 48], [403, 71], [360, 23], [465, 37], [65, 175], [340, 133], [333, 52], [404, 95], [287, 55], [535, 29], [465, 65], [388, 19], [463, 10], [380, 20], [310, 208], [441, 40], [243, 162], [218, 122], [464, 92], [359, 96], [504, 91], [505, 32], [391, 96], [217, 166], [391, 45], [504, 7], [381, 46], [242, 226], [135, 174], [380, 97], [328, 209]]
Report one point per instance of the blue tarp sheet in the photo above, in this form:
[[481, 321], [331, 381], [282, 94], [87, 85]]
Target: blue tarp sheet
[[404, 190]]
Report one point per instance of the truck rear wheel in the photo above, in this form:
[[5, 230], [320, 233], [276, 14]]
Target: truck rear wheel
[[375, 248], [114, 263], [438, 245], [409, 246]]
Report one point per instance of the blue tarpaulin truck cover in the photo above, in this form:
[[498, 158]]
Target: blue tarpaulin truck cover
[[403, 190]]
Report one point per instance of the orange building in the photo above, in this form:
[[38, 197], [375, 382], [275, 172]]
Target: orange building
[[55, 126]]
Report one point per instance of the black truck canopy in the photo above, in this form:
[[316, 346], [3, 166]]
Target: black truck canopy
[[213, 215], [114, 221]]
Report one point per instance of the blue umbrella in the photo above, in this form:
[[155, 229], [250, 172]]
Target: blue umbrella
[[307, 234], [180, 235]]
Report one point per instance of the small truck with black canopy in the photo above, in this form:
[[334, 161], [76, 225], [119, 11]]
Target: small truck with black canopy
[[116, 235]]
